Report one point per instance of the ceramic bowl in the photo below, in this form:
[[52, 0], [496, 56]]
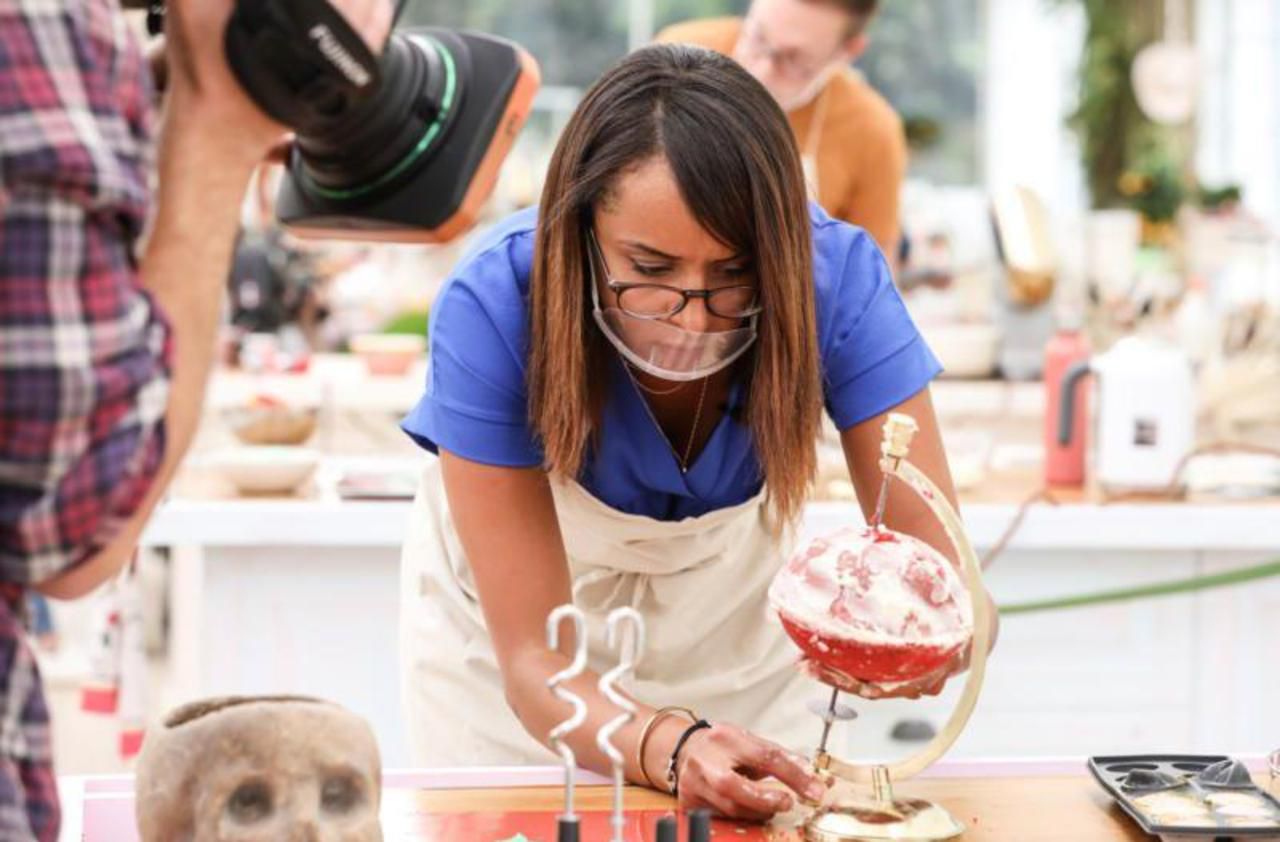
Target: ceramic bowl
[[259, 425], [388, 354], [265, 469], [965, 349]]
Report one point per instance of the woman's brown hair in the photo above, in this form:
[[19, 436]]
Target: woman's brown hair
[[735, 161]]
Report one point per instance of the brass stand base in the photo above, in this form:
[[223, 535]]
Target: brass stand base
[[850, 816], [907, 820]]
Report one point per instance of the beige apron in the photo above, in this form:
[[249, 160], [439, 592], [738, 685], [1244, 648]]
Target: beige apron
[[700, 583]]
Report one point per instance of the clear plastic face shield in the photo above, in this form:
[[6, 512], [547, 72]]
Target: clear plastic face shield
[[638, 328]]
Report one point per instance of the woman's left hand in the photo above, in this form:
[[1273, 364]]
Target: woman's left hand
[[720, 768]]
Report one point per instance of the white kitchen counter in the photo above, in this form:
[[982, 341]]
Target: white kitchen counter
[[1000, 420], [1070, 526]]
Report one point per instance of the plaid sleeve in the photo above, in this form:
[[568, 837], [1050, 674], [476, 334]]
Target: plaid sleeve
[[83, 351]]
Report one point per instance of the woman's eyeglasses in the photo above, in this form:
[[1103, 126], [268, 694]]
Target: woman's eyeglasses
[[658, 301]]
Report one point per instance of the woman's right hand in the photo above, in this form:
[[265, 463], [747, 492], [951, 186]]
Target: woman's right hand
[[721, 768]]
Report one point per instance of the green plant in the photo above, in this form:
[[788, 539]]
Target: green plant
[[922, 132], [1154, 186], [413, 322], [1213, 199], [1112, 129]]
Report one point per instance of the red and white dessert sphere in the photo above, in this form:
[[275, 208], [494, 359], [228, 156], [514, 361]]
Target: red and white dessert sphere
[[873, 604]]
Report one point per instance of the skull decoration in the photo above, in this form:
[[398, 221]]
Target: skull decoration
[[270, 769]]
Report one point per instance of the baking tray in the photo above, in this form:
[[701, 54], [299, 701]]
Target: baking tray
[[1189, 795]]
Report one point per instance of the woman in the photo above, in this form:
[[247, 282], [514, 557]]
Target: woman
[[625, 392]]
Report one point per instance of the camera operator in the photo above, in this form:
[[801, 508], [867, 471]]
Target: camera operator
[[106, 335]]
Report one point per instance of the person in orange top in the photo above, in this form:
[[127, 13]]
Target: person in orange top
[[852, 142]]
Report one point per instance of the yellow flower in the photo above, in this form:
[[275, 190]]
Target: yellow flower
[[1134, 184]]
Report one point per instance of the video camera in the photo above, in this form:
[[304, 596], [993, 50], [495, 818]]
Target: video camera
[[402, 147]]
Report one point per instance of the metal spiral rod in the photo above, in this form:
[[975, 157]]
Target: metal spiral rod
[[576, 668], [629, 649]]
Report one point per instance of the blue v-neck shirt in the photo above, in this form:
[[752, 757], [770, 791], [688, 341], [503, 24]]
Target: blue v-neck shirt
[[475, 404]]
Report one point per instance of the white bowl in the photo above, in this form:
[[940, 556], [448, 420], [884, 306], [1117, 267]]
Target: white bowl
[[965, 349], [968, 454], [265, 425], [265, 469]]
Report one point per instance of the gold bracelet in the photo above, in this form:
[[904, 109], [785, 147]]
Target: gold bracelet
[[647, 731]]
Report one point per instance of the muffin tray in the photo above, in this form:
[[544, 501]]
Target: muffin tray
[[1189, 795]]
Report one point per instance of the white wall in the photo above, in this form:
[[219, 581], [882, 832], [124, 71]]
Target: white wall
[[1239, 117], [639, 23], [1033, 52]]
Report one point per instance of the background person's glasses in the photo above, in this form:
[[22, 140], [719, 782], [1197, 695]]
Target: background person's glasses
[[657, 301], [788, 63]]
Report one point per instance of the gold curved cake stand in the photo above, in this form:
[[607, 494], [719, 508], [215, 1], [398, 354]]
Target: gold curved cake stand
[[882, 816]]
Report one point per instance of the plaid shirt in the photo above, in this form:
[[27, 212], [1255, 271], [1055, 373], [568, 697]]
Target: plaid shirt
[[83, 352]]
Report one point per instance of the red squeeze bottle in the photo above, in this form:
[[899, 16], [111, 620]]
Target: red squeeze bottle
[[1064, 464]]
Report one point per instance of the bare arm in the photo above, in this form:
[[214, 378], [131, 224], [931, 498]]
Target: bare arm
[[507, 524], [212, 137], [184, 268]]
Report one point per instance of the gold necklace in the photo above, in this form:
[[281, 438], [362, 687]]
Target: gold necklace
[[693, 433]]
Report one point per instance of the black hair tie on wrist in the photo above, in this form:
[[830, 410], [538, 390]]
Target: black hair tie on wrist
[[673, 765]]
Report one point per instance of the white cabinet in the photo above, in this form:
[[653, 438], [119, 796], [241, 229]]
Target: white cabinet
[[1194, 673], [1237, 680]]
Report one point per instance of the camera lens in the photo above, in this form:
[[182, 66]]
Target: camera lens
[[386, 137]]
